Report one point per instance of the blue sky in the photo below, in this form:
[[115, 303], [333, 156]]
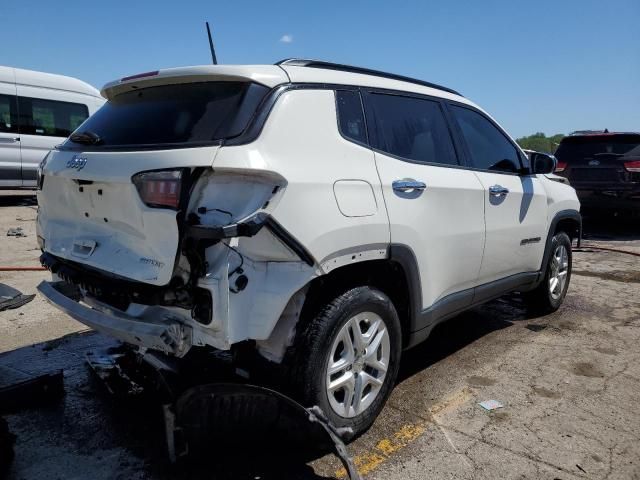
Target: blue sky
[[551, 66]]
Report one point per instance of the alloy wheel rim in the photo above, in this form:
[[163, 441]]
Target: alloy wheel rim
[[559, 271], [357, 364]]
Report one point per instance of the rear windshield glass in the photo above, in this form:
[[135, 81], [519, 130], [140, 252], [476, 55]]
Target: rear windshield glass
[[192, 113], [577, 148]]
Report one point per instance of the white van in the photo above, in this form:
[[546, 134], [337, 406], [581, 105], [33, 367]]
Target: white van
[[37, 112]]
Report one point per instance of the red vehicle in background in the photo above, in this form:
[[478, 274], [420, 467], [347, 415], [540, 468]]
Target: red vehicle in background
[[604, 168]]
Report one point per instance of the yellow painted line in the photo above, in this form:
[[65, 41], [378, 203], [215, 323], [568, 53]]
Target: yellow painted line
[[404, 436]]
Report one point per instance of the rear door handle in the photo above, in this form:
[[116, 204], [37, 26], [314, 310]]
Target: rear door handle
[[498, 191], [408, 185]]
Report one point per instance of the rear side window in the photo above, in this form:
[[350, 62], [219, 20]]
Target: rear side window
[[50, 117], [351, 116], [193, 113], [8, 114], [411, 128], [488, 147], [594, 146]]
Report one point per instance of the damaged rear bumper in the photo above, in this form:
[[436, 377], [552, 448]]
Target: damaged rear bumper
[[164, 334]]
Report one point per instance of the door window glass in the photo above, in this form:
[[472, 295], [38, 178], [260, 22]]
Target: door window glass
[[411, 128], [8, 114], [351, 116], [50, 117], [489, 148]]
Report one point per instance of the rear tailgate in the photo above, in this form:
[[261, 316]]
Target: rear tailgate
[[599, 161], [91, 210], [94, 215]]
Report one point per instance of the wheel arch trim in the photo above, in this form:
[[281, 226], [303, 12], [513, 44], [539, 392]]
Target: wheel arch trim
[[572, 215]]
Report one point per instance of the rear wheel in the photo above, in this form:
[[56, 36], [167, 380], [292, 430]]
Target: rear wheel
[[347, 356], [549, 295]]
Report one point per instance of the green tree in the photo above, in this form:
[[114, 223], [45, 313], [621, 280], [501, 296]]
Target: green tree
[[540, 142]]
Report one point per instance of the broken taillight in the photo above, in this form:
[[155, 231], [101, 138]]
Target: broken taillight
[[160, 188]]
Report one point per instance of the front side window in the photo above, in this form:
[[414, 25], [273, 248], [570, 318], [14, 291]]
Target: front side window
[[351, 116], [488, 147], [181, 114], [8, 114], [50, 117], [411, 128]]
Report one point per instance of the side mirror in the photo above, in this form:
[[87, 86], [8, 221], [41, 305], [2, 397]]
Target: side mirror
[[505, 165], [543, 163]]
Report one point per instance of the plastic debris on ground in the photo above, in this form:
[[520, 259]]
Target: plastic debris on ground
[[12, 298], [16, 232], [491, 405]]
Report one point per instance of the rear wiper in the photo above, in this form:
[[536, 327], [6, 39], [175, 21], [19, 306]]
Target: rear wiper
[[86, 138]]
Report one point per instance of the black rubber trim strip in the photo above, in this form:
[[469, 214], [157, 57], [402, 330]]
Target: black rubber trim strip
[[290, 241], [561, 215], [248, 228], [301, 62]]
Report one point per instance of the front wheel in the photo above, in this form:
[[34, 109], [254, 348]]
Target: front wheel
[[549, 295], [347, 357]]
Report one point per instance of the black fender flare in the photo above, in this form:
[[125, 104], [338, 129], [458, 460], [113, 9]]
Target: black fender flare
[[573, 215], [403, 255]]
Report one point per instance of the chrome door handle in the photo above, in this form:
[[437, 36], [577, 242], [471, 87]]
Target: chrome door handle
[[408, 185], [498, 191]]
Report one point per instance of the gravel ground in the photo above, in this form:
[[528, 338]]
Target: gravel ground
[[569, 383]]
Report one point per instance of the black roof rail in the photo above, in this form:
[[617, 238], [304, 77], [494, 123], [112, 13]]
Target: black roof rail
[[301, 62]]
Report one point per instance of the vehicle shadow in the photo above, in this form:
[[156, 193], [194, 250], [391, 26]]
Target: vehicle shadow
[[10, 199], [610, 229], [89, 424], [462, 330]]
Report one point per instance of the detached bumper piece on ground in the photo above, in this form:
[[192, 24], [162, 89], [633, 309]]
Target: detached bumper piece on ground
[[12, 298], [234, 425]]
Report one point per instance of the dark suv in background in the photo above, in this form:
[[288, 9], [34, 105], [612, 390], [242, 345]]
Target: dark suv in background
[[604, 168]]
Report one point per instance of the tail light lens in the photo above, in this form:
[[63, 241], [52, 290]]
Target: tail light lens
[[159, 189], [561, 166], [633, 166]]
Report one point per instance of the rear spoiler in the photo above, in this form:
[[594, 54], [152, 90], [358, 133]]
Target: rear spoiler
[[268, 75]]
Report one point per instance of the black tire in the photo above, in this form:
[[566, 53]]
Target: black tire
[[540, 300], [309, 357]]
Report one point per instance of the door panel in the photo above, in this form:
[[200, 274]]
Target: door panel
[[443, 224], [515, 205], [9, 137], [434, 207], [516, 223]]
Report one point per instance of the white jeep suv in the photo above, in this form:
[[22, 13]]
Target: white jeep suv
[[322, 216]]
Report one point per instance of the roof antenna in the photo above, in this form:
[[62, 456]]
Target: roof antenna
[[213, 52]]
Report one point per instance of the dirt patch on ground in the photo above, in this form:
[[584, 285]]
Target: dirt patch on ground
[[606, 351], [545, 392], [477, 381], [614, 275], [586, 369]]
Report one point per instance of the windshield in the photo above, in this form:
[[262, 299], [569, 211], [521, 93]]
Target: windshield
[[190, 113], [597, 145]]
